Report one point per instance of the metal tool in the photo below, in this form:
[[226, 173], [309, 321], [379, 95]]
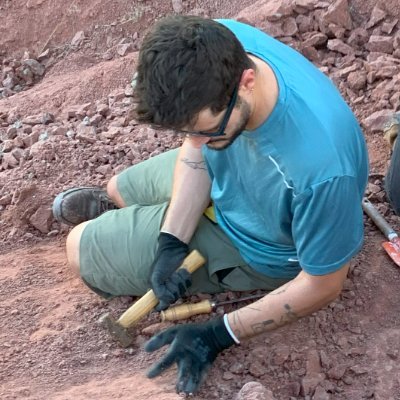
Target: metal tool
[[392, 247], [119, 328], [185, 311]]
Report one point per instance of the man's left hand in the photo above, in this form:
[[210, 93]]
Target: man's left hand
[[168, 283], [194, 347]]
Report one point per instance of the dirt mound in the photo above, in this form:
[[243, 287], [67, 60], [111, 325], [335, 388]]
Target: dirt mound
[[71, 126]]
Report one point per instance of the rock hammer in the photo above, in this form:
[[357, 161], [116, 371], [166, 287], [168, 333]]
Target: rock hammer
[[119, 328]]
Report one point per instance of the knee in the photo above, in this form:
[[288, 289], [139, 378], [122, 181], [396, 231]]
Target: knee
[[112, 191], [73, 247]]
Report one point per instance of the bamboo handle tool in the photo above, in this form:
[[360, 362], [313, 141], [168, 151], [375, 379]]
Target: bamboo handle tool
[[184, 311], [119, 328]]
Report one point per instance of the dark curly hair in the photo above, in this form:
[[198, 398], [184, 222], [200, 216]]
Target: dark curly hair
[[186, 64]]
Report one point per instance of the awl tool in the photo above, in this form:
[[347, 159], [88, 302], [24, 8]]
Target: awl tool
[[185, 311], [392, 247]]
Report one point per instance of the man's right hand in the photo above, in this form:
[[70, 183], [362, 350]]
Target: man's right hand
[[167, 283]]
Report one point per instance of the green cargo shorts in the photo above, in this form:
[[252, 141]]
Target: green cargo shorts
[[117, 249]]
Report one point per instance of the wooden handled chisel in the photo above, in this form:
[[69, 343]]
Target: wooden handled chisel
[[184, 311]]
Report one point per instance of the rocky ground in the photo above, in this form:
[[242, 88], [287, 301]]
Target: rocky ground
[[65, 96]]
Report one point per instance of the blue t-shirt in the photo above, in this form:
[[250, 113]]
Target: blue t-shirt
[[288, 194]]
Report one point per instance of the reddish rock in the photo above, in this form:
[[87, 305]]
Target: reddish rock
[[359, 370], [380, 44], [111, 133], [289, 27], [11, 132], [310, 382], [42, 219], [304, 23], [272, 10], [321, 394], [256, 369], [254, 391], [27, 129], [377, 120], [358, 37], [336, 372], [357, 80], [228, 376], [86, 133], [377, 15], [104, 170], [338, 31], [325, 361], [32, 120], [282, 353], [311, 53], [177, 6], [18, 153], [42, 150], [155, 328], [9, 161], [338, 13], [306, 4], [388, 27], [5, 200], [315, 39], [339, 46], [58, 131], [124, 49], [313, 363], [273, 29], [31, 138], [7, 146], [96, 119], [371, 188], [102, 109], [78, 39]]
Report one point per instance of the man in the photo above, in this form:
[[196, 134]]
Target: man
[[270, 141]]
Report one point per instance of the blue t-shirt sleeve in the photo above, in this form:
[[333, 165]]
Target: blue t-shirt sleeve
[[328, 225]]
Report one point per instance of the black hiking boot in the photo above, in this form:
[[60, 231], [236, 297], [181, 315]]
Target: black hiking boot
[[77, 205]]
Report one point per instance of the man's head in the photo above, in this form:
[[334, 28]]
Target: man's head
[[189, 66]]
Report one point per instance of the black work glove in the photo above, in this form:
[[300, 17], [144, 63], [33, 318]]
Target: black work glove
[[194, 347], [167, 284]]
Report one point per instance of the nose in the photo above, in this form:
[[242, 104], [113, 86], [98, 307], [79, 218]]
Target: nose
[[198, 141]]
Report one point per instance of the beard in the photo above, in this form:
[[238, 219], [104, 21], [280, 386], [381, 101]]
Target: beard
[[219, 144]]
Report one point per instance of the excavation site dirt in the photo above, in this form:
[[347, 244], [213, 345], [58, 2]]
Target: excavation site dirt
[[65, 100]]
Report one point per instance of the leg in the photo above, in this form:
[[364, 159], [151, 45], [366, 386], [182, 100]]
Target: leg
[[392, 180], [116, 251], [146, 183], [72, 246], [113, 193]]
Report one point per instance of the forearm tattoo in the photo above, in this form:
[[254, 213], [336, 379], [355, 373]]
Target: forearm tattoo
[[194, 164], [239, 327], [288, 316]]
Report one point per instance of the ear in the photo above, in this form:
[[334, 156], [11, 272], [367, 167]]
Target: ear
[[247, 81]]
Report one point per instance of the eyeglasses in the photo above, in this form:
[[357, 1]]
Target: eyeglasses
[[225, 119]]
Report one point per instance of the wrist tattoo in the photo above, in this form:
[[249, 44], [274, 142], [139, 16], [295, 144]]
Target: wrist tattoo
[[194, 164]]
